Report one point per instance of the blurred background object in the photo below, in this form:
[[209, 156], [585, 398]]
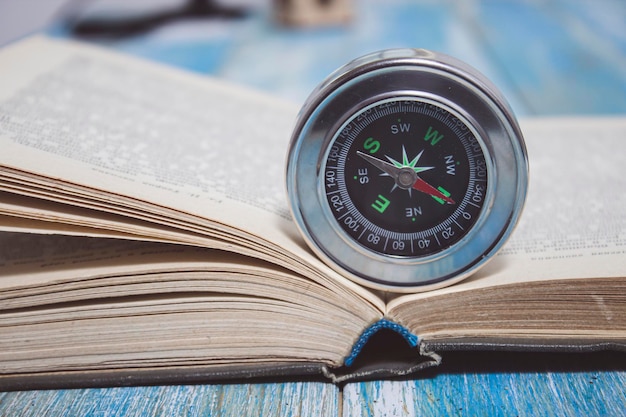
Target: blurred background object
[[144, 19], [549, 57], [313, 12]]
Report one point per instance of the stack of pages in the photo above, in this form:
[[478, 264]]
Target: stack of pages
[[145, 237]]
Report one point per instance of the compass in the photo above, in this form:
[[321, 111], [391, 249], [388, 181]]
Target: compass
[[407, 170]]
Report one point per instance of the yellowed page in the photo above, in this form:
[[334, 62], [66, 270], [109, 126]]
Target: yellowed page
[[108, 132], [574, 222], [155, 135], [69, 303]]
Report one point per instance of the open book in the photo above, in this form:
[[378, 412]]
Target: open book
[[145, 237]]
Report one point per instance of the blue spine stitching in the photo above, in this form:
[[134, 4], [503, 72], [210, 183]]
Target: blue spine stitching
[[410, 338]]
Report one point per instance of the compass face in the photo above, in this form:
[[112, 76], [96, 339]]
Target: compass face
[[405, 177]]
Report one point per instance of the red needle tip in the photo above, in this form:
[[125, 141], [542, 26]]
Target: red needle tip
[[423, 186]]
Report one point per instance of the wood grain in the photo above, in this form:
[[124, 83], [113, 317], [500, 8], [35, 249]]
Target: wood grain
[[286, 399], [492, 394]]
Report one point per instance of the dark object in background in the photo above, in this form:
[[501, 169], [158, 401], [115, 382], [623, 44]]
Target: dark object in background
[[130, 26]]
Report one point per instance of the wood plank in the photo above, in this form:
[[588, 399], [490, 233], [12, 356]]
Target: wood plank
[[286, 399], [521, 394]]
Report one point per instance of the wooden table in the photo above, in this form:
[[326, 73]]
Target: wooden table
[[590, 393], [549, 58]]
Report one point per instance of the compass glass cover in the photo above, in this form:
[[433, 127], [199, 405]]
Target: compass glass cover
[[405, 177]]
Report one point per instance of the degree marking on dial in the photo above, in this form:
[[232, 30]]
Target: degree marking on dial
[[343, 215]]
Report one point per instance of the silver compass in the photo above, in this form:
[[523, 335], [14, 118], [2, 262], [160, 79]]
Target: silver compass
[[407, 170]]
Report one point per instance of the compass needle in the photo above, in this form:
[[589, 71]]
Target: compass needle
[[423, 186], [386, 167]]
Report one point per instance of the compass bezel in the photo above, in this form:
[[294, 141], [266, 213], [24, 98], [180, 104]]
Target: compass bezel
[[421, 75]]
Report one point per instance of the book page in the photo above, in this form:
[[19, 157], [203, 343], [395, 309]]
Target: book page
[[126, 132], [574, 222], [145, 129], [79, 303]]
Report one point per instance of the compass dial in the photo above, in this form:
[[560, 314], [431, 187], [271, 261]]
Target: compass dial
[[405, 177], [406, 171]]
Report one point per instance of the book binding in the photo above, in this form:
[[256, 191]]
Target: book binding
[[385, 349]]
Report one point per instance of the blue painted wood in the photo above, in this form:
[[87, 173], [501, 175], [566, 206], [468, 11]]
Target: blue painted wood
[[549, 57], [287, 399], [491, 394], [553, 56]]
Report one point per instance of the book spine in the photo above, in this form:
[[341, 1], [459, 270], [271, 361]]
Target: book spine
[[410, 338]]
